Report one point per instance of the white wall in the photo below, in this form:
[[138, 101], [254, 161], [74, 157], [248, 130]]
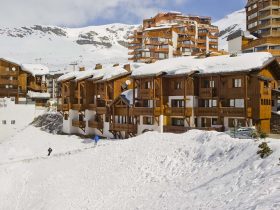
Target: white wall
[[235, 45]]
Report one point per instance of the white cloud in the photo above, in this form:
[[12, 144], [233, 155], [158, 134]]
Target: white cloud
[[76, 12]]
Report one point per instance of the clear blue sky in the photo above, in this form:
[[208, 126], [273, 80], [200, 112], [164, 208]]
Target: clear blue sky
[[216, 9]]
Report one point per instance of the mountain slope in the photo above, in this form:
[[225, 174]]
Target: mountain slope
[[230, 24], [58, 47]]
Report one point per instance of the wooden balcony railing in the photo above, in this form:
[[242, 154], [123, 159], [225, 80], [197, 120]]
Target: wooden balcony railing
[[8, 82], [208, 92], [77, 107], [63, 107], [101, 110], [232, 112], [95, 124], [38, 87], [261, 41], [267, 5], [79, 124], [8, 73], [178, 111], [123, 127], [146, 93], [137, 111], [8, 91], [206, 111], [134, 47], [162, 50], [91, 107]]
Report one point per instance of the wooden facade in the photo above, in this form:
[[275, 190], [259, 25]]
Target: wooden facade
[[173, 102], [157, 39], [15, 82]]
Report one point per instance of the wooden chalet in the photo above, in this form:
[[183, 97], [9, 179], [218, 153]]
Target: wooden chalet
[[215, 93], [21, 81]]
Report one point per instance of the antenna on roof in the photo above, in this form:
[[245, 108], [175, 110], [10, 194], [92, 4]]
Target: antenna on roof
[[74, 64], [38, 59]]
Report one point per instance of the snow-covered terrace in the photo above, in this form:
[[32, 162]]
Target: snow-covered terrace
[[217, 64]]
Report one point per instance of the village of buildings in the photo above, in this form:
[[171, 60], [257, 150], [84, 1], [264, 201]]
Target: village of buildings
[[175, 80]]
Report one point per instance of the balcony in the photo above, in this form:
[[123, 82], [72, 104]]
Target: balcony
[[162, 50], [5, 91], [77, 107], [146, 93], [38, 87], [177, 53], [79, 124], [134, 47], [101, 110], [8, 82], [8, 73], [232, 112], [137, 111], [206, 111], [207, 92], [178, 111], [123, 127], [268, 14], [63, 107], [261, 41], [95, 124], [175, 129], [269, 5], [91, 107]]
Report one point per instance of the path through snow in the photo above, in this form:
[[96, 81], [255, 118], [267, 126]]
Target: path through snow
[[196, 170]]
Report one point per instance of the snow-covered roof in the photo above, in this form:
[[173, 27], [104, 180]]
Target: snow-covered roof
[[106, 73], [35, 69], [217, 64], [11, 60], [33, 94]]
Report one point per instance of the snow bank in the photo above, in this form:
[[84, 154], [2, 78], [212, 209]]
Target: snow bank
[[195, 170], [216, 64]]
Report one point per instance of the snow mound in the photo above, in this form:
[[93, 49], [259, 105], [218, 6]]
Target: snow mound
[[195, 170]]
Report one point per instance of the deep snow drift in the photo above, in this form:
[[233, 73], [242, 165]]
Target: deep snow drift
[[195, 170]]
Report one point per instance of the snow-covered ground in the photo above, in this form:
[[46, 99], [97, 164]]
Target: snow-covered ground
[[195, 170]]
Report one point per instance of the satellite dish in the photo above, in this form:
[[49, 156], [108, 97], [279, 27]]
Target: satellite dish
[[14, 68], [128, 82]]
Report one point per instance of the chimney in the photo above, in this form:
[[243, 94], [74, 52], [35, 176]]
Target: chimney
[[127, 67], [116, 64], [82, 69], [98, 66]]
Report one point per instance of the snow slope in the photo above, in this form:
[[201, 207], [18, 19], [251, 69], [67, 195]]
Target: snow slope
[[195, 170], [57, 47], [231, 23]]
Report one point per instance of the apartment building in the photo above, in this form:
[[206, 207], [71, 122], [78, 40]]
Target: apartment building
[[172, 34], [23, 82], [175, 95], [263, 21]]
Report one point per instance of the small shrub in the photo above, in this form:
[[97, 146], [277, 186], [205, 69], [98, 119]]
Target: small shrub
[[264, 150], [263, 135]]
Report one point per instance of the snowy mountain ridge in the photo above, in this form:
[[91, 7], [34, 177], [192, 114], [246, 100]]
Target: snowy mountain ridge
[[58, 47]]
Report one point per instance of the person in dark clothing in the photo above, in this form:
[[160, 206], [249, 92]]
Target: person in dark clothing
[[50, 151]]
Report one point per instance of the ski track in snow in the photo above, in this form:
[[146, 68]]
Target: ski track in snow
[[196, 170]]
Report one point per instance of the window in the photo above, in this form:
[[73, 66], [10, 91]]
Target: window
[[266, 84], [177, 103], [148, 85], [212, 84], [4, 122], [13, 122], [214, 121], [237, 83], [148, 120], [177, 122], [178, 85]]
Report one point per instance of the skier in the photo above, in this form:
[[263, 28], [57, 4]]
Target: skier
[[96, 139], [50, 151]]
